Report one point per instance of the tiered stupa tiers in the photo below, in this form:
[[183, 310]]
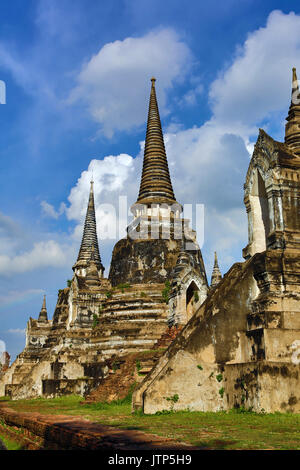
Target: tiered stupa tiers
[[156, 186], [92, 276], [292, 128], [89, 239]]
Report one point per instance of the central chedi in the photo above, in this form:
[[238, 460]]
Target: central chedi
[[157, 233]]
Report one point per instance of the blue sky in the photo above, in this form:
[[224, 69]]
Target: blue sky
[[77, 86]]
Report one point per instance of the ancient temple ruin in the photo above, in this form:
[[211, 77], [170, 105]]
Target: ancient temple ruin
[[238, 340], [242, 346], [97, 320]]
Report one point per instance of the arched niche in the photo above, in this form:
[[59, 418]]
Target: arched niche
[[260, 217], [192, 299]]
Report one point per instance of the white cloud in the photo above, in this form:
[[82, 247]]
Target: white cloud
[[112, 82], [258, 82], [7, 226], [10, 234], [49, 211], [114, 176], [190, 98], [218, 159], [207, 164], [16, 331], [23, 250], [43, 254]]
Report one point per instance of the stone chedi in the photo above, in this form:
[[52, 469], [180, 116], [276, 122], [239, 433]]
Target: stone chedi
[[156, 186], [216, 274], [157, 233], [43, 316], [89, 241], [242, 346], [97, 321]]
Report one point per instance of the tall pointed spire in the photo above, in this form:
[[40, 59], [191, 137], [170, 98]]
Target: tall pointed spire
[[216, 274], [292, 128], [43, 316], [156, 186], [89, 238], [92, 276]]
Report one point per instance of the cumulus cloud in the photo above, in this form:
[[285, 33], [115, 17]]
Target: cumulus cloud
[[11, 234], [43, 254], [22, 250], [109, 176], [190, 98], [49, 211], [112, 82], [114, 177], [258, 82], [207, 163], [13, 296], [16, 331], [7, 226], [208, 166], [253, 90]]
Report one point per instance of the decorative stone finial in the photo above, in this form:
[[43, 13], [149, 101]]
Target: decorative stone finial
[[295, 85], [292, 127], [216, 274], [43, 316]]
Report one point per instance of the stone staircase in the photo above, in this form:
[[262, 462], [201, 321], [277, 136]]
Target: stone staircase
[[123, 375], [130, 321]]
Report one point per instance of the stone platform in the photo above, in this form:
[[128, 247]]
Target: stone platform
[[60, 432]]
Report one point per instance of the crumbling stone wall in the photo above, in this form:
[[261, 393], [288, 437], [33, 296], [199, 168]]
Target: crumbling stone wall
[[242, 347]]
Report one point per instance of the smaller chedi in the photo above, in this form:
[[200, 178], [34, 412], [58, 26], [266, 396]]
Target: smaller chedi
[[156, 281], [216, 274]]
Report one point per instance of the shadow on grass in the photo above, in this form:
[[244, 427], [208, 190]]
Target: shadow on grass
[[215, 444]]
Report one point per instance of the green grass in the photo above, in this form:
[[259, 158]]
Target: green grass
[[9, 444], [222, 430]]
